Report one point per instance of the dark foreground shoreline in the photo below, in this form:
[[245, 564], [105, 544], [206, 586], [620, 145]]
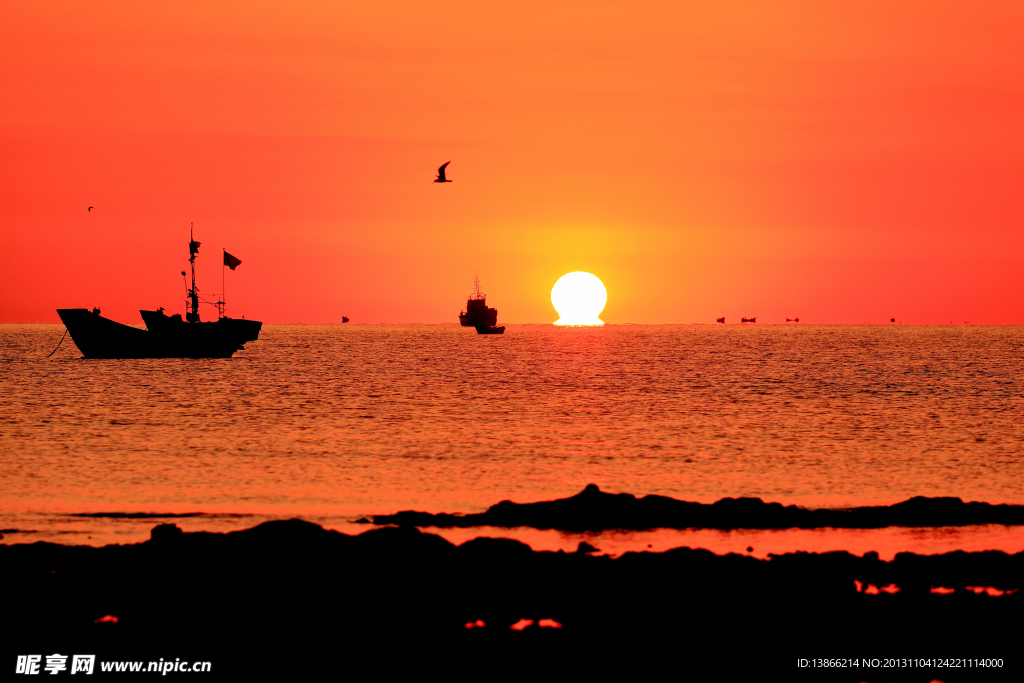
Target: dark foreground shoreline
[[293, 600], [595, 510]]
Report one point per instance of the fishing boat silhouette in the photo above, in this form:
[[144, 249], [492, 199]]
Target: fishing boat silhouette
[[165, 336]]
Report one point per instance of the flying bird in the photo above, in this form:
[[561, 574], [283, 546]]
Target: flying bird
[[440, 174], [90, 209]]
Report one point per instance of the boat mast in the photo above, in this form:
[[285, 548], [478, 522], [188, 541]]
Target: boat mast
[[193, 249], [476, 295]]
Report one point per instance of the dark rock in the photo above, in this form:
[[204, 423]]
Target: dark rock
[[505, 547], [165, 532], [594, 510], [279, 599]]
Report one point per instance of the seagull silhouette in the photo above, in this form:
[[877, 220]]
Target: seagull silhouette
[[90, 209], [440, 174]]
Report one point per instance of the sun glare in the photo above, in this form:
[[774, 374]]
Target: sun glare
[[579, 298]]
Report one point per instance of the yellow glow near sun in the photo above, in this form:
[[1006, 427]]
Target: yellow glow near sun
[[579, 298]]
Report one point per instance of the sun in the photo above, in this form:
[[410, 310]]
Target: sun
[[579, 298]]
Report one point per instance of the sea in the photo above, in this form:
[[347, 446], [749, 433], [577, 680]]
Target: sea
[[337, 423]]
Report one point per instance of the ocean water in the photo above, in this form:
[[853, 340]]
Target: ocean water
[[337, 422]]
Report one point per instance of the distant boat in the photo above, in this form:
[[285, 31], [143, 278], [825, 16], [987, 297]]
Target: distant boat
[[792, 320], [720, 320], [344, 318], [748, 320], [165, 336], [477, 314]]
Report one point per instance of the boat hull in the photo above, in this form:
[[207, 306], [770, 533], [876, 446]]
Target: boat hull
[[482, 329], [165, 337]]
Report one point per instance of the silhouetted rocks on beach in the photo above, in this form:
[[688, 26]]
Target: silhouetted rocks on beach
[[290, 596], [594, 510]]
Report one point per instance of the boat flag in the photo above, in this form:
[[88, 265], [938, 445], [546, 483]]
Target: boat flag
[[193, 247], [231, 261]]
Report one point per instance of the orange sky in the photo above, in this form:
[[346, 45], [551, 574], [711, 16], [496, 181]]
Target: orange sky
[[840, 161]]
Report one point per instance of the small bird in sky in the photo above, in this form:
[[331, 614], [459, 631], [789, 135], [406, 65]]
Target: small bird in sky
[[90, 209], [440, 174]]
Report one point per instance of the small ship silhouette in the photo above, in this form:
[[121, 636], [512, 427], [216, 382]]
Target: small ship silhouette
[[792, 320], [720, 320], [477, 313], [748, 320]]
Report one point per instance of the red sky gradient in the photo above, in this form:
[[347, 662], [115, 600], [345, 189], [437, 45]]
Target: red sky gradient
[[839, 161]]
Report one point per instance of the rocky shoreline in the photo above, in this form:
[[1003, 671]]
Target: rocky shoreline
[[595, 510], [292, 596]]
